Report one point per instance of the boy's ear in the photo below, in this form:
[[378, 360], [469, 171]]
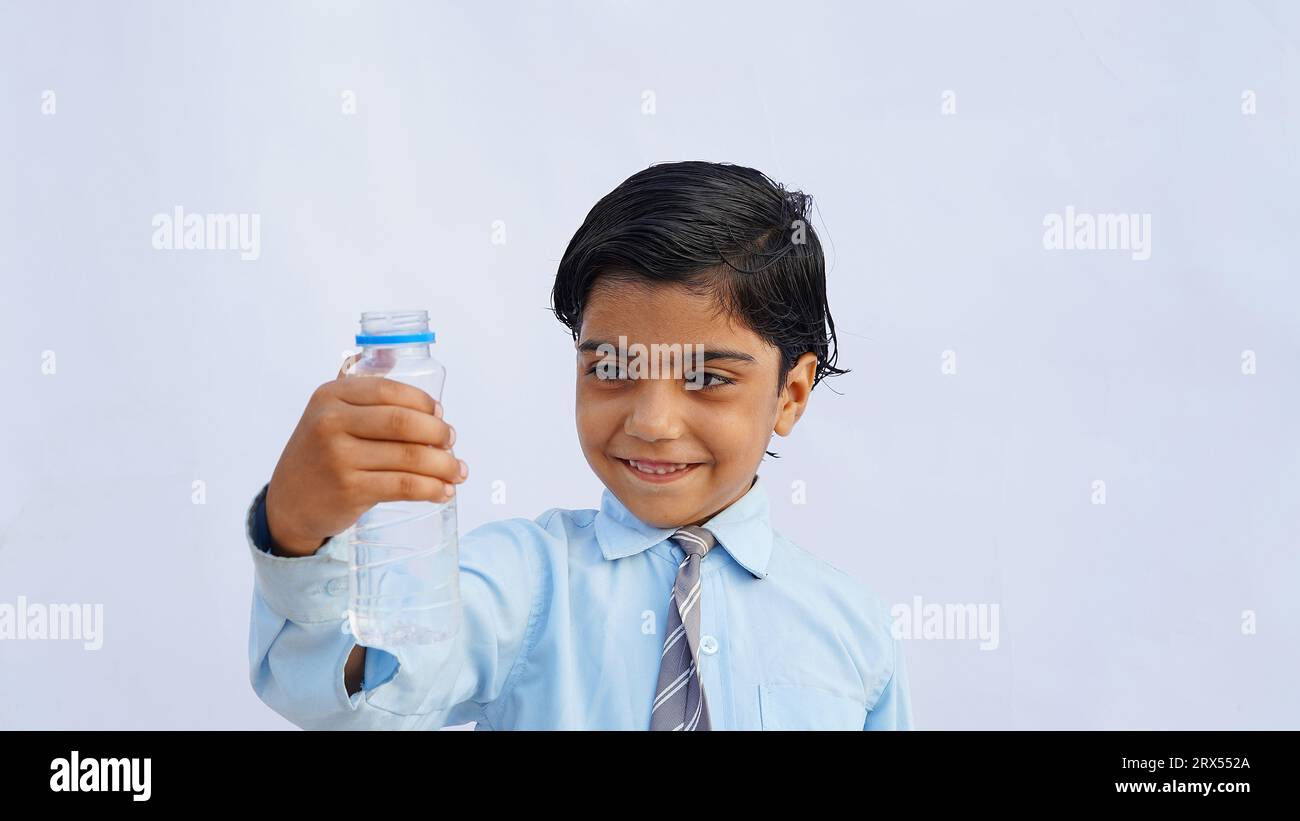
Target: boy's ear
[[795, 393]]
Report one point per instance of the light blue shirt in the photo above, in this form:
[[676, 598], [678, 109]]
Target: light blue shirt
[[563, 621]]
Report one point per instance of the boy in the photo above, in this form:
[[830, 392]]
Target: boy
[[675, 606]]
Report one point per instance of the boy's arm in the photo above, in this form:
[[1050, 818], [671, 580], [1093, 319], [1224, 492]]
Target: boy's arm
[[299, 650], [260, 533], [893, 710]]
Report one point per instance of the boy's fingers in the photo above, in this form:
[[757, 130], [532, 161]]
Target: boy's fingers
[[391, 423], [382, 391], [408, 457], [392, 486]]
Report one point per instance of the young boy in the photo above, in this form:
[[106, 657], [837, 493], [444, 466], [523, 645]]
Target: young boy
[[674, 606]]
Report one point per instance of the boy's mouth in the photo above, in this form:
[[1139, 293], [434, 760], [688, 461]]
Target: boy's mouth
[[658, 472]]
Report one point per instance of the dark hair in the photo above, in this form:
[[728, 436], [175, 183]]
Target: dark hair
[[718, 228]]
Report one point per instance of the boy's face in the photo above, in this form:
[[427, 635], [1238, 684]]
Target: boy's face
[[717, 423]]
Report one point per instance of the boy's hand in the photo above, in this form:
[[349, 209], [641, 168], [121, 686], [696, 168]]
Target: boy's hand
[[360, 441]]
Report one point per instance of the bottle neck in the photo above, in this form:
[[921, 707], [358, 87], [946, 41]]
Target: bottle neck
[[419, 350], [406, 328]]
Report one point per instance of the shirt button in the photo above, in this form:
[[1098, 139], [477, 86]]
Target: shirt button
[[708, 645], [336, 587]]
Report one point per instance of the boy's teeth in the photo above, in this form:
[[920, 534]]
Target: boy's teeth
[[658, 470]]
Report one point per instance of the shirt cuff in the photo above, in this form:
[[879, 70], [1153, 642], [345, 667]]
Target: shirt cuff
[[303, 589]]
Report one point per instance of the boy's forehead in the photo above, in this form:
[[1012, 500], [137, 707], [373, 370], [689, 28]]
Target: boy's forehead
[[658, 313]]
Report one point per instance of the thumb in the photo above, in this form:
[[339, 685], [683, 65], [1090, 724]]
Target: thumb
[[347, 363], [381, 362]]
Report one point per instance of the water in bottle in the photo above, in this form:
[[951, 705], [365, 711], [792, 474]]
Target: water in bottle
[[403, 584]]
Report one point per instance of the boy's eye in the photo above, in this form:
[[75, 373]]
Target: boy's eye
[[610, 374], [613, 374], [722, 380]]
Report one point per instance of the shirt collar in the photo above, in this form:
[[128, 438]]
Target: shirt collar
[[744, 529]]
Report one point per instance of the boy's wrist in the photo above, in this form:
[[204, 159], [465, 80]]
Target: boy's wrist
[[266, 539]]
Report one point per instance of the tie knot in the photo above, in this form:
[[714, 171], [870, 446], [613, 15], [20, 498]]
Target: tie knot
[[694, 539]]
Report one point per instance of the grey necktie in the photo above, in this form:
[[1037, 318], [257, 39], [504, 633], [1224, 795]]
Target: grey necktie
[[679, 699]]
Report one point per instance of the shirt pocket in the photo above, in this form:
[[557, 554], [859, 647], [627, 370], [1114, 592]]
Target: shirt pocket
[[796, 707]]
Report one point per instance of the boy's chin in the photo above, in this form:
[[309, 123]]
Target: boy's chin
[[661, 505]]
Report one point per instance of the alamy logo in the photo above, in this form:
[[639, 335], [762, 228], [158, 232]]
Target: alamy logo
[[655, 361], [35, 621], [1098, 232], [950, 620], [77, 774], [179, 231]]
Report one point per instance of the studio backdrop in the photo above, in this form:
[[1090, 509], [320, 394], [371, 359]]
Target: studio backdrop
[[1062, 258]]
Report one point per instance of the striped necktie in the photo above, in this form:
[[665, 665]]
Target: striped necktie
[[679, 699]]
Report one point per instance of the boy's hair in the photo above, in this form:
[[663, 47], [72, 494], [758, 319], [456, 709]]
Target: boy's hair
[[716, 228]]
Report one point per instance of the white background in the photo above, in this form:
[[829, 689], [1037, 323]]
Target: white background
[[176, 366]]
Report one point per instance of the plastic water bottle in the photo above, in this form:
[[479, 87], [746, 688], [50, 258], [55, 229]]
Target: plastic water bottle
[[404, 579]]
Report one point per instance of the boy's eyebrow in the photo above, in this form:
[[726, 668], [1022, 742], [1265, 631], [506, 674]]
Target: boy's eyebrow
[[710, 354]]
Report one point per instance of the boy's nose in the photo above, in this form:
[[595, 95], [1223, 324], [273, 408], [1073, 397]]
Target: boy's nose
[[654, 413]]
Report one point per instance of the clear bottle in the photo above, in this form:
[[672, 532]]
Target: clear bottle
[[404, 579]]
